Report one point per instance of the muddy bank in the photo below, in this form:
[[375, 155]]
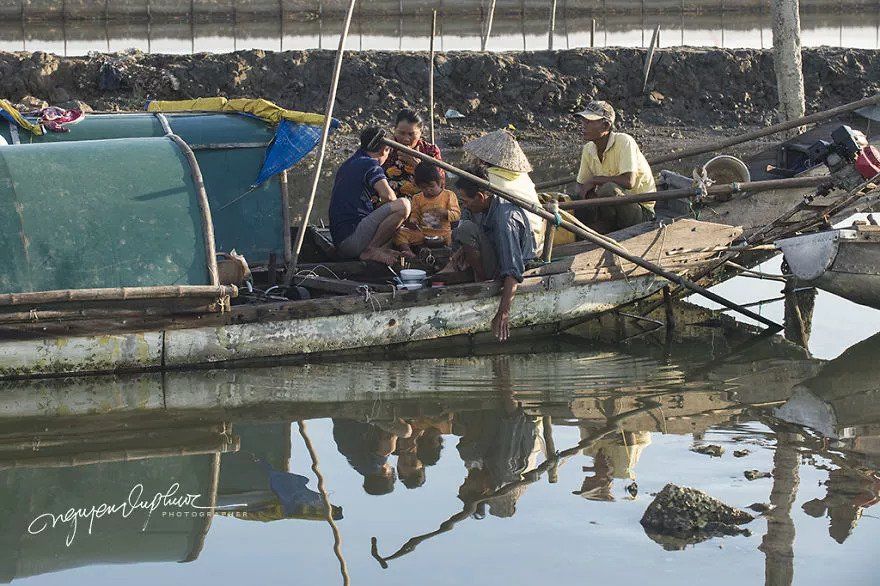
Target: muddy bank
[[535, 91]]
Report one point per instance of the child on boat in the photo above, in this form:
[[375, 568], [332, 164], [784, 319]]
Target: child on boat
[[434, 209]]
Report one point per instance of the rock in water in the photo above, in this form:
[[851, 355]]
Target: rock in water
[[709, 450], [679, 516]]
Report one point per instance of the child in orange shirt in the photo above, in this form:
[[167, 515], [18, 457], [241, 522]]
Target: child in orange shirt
[[434, 209]]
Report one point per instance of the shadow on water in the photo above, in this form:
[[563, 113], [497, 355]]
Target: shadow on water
[[483, 430]]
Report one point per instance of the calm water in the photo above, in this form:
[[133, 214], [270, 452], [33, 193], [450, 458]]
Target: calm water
[[450, 453], [511, 31]]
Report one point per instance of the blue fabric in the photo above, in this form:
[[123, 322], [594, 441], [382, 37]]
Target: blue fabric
[[291, 143], [508, 227], [353, 189]]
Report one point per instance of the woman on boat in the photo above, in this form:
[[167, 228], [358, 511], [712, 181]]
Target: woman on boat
[[507, 166], [400, 167]]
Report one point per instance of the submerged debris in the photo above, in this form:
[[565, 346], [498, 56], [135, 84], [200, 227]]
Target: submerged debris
[[709, 450], [756, 474], [679, 516]]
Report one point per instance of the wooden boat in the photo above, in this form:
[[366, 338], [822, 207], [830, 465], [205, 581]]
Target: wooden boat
[[845, 262], [74, 303]]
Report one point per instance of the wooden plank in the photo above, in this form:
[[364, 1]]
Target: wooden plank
[[343, 286], [651, 245]]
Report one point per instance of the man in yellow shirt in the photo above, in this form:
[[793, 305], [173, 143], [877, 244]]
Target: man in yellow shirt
[[612, 165]]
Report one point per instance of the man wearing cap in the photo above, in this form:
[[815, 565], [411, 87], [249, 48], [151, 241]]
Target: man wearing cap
[[612, 165]]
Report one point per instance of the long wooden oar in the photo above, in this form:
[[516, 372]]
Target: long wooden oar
[[735, 140], [538, 210], [720, 189]]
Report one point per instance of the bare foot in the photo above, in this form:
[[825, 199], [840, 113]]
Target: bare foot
[[382, 255]]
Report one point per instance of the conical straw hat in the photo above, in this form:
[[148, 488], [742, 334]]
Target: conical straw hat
[[499, 148]]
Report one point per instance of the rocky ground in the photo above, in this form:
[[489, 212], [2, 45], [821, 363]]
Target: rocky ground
[[691, 95]]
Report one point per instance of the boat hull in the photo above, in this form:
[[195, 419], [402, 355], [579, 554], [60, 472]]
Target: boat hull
[[845, 262], [550, 300]]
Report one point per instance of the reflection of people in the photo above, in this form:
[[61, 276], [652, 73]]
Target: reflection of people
[[612, 165], [400, 167], [359, 230], [367, 448], [848, 495], [614, 457], [497, 246], [497, 447], [420, 450]]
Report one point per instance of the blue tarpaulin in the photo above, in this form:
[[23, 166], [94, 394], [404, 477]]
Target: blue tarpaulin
[[292, 142]]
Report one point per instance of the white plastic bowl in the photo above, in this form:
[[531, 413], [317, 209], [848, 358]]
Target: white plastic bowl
[[413, 275]]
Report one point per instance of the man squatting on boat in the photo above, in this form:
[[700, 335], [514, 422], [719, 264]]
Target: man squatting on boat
[[621, 169]]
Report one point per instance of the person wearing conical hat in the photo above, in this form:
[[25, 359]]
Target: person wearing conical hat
[[495, 241], [612, 165], [508, 168]]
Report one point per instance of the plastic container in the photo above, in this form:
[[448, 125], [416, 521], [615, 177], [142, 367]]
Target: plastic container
[[410, 286], [413, 276]]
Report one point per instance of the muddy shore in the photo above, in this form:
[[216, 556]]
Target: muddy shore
[[691, 94]]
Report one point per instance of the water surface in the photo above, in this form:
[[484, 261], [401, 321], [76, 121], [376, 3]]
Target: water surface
[[455, 455]]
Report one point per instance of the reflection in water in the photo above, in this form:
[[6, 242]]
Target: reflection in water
[[585, 418], [512, 30]]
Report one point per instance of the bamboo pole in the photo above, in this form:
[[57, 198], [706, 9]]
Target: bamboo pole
[[488, 31], [599, 241], [117, 294], [431, 73], [749, 136], [592, 32], [552, 25], [337, 537], [204, 206], [325, 133], [720, 189]]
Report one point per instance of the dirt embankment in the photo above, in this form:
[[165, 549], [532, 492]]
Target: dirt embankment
[[535, 91]]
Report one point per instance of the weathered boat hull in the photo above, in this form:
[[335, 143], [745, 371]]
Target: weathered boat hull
[[553, 299], [845, 262]]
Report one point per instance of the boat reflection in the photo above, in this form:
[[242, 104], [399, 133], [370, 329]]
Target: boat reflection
[[224, 438]]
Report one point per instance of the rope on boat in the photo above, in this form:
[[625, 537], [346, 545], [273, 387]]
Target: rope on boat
[[369, 298]]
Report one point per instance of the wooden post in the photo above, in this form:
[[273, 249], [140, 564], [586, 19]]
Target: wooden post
[[787, 59], [488, 30], [328, 117], [649, 59], [667, 304], [552, 25], [550, 232], [431, 73], [592, 33], [550, 446]]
